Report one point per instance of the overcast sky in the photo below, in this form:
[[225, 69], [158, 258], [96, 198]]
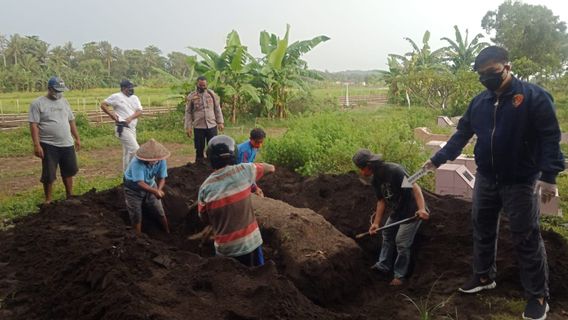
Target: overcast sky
[[362, 32]]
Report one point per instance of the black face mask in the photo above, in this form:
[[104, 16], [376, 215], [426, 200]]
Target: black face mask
[[201, 90], [492, 81], [129, 92]]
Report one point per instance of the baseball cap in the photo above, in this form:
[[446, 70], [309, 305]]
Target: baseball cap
[[126, 84], [363, 156], [489, 54], [57, 84]]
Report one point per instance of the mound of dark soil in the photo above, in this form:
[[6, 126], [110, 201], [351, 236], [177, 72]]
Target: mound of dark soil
[[444, 244], [79, 260]]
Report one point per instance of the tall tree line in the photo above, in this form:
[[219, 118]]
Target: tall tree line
[[535, 38], [26, 62]]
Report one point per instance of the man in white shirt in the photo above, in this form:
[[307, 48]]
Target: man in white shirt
[[126, 108]]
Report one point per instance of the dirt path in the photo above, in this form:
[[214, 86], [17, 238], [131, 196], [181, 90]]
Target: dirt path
[[19, 174]]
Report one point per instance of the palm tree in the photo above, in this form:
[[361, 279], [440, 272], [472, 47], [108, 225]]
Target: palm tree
[[15, 47], [461, 53], [107, 54], [3, 47]]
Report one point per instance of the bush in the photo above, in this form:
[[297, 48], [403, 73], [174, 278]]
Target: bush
[[325, 143]]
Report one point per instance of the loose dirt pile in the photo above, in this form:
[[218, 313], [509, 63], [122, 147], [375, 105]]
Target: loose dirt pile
[[78, 259]]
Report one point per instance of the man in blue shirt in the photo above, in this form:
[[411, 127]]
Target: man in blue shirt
[[247, 151], [140, 187], [518, 158]]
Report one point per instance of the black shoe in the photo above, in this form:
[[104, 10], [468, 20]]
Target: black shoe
[[536, 311], [475, 285], [377, 267]]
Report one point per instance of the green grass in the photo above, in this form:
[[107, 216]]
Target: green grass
[[336, 91], [87, 100], [503, 308]]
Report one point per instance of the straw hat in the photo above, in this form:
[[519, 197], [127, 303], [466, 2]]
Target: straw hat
[[152, 151]]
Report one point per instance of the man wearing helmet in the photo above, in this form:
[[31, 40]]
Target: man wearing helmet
[[224, 201]]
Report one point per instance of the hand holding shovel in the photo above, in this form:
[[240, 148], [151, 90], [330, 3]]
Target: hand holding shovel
[[394, 224]]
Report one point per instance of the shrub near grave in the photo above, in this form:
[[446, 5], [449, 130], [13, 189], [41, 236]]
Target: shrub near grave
[[325, 143]]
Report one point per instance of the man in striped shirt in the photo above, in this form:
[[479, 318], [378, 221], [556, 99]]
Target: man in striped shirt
[[224, 201]]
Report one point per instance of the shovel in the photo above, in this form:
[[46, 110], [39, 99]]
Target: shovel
[[394, 224]]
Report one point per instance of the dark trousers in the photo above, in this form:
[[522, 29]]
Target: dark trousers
[[521, 205], [200, 139], [253, 259]]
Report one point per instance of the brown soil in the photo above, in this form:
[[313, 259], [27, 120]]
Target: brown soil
[[78, 259]]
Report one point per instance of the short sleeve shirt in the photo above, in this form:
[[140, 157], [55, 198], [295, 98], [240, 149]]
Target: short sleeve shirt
[[225, 197], [399, 201], [246, 152], [139, 170], [52, 117], [125, 106]]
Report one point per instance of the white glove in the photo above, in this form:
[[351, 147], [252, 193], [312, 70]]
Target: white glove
[[429, 166], [547, 190]]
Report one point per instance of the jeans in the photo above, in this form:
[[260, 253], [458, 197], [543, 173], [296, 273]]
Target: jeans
[[521, 205], [129, 146], [401, 239], [200, 138]]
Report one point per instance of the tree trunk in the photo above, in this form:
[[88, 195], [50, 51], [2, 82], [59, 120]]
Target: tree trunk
[[234, 110]]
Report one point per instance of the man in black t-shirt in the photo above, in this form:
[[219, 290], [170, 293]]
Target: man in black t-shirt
[[400, 203]]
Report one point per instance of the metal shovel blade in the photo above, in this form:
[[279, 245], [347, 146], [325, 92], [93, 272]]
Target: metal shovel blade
[[407, 182]]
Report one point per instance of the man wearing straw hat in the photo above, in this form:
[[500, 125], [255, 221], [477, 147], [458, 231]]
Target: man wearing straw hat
[[140, 186]]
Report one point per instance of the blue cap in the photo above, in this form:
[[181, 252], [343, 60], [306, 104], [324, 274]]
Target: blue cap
[[57, 84]]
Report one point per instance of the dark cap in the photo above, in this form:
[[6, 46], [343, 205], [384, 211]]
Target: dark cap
[[491, 54], [57, 84], [126, 84], [364, 156]]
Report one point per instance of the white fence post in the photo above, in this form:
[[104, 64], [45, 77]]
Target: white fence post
[[18, 105]]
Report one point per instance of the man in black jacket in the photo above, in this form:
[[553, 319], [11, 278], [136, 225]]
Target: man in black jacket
[[518, 158]]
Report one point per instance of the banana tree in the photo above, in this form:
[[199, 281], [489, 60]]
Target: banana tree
[[423, 58], [282, 71], [461, 52], [229, 73]]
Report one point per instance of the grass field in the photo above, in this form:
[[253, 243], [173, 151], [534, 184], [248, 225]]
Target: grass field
[[18, 102], [336, 91]]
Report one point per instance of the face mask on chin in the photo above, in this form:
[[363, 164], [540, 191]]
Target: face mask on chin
[[366, 180], [492, 81], [57, 95]]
